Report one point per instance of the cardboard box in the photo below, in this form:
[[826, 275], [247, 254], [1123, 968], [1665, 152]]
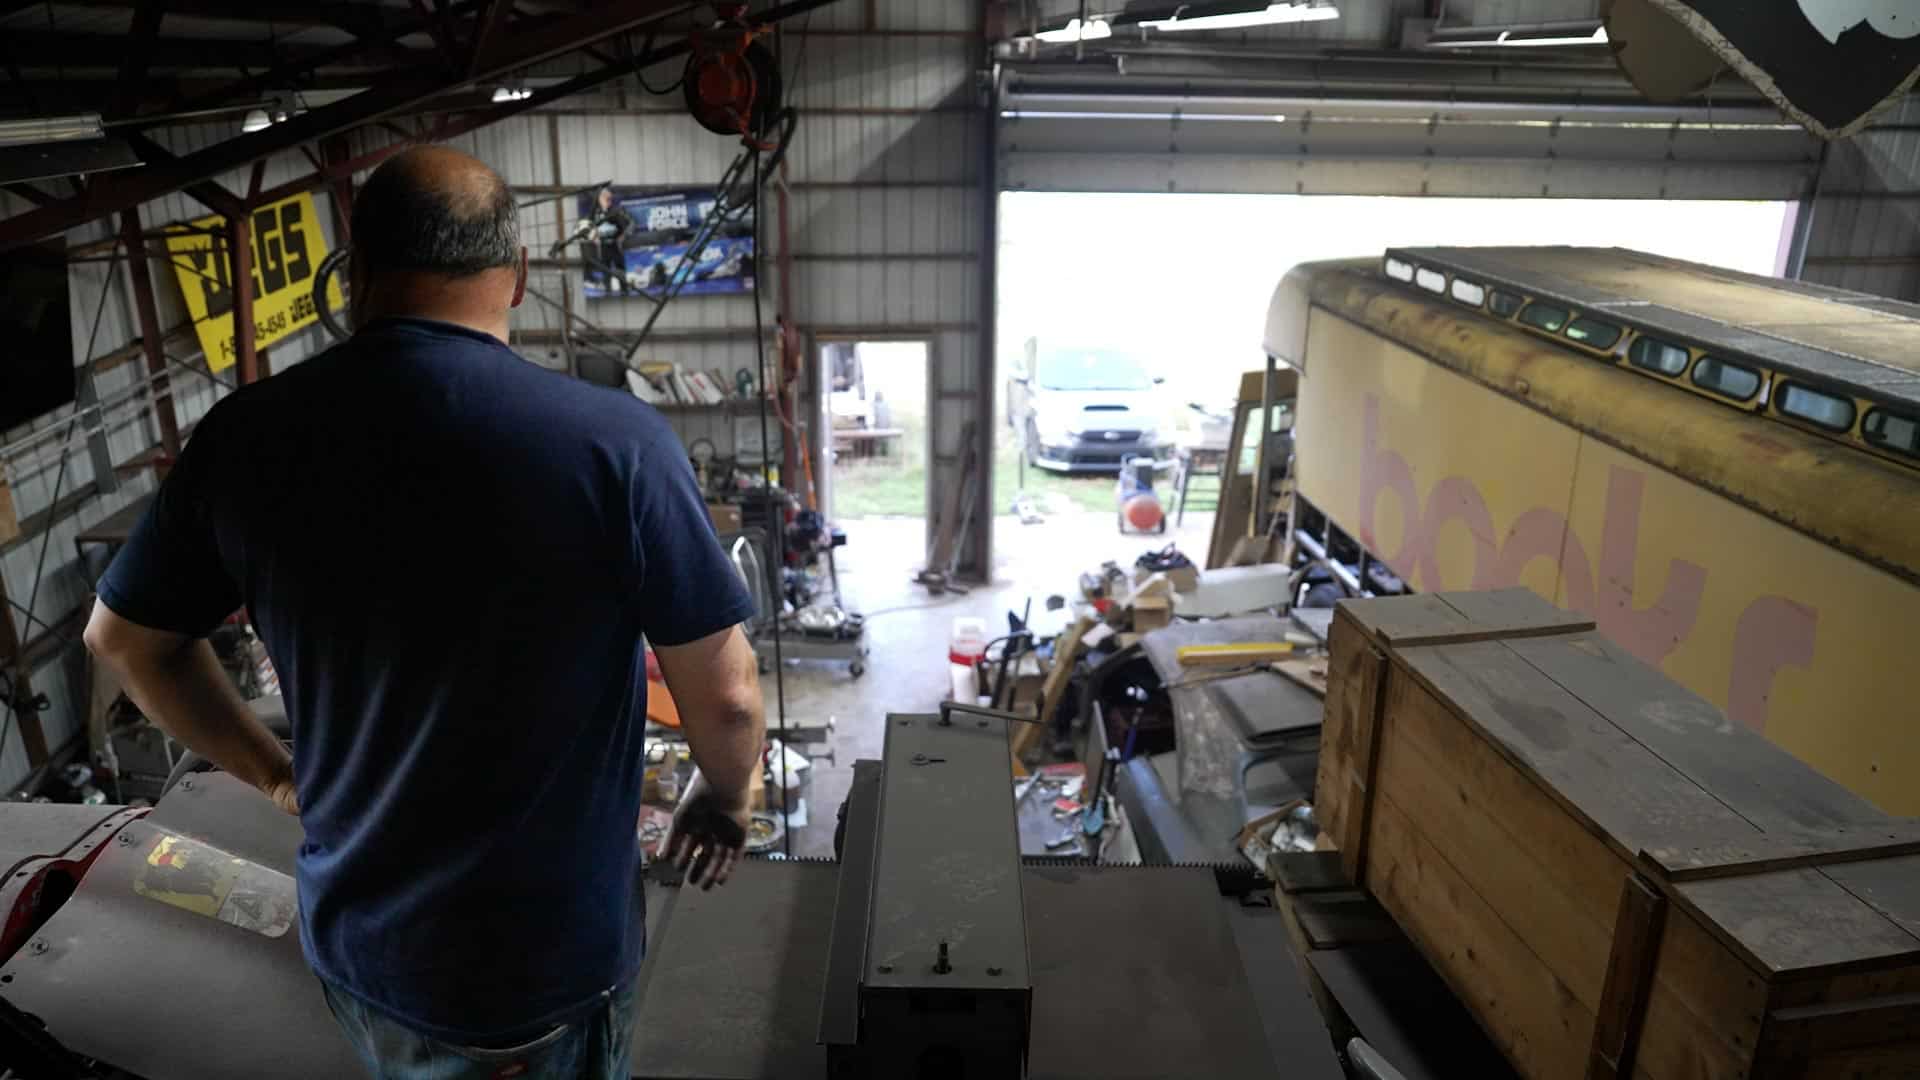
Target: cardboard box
[[726, 517], [1617, 880], [1151, 613]]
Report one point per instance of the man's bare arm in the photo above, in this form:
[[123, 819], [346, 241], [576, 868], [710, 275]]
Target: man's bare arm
[[716, 686], [179, 684]]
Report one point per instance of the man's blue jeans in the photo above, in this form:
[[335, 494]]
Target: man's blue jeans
[[594, 1047]]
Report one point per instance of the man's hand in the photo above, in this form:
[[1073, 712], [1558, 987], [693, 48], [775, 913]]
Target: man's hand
[[709, 833]]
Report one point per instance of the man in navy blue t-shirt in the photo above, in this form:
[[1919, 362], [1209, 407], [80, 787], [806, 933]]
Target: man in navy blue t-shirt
[[452, 556]]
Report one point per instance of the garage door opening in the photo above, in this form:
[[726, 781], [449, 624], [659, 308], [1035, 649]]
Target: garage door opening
[[1146, 308]]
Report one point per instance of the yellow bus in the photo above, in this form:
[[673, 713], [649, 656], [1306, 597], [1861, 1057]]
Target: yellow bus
[[1723, 470]]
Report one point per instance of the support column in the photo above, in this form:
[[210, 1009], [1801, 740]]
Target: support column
[[160, 387], [240, 251]]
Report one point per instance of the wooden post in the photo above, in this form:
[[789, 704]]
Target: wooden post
[[240, 252], [1623, 998]]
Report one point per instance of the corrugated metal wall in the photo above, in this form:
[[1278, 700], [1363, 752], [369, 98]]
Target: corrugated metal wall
[[1865, 228], [885, 204], [51, 452]]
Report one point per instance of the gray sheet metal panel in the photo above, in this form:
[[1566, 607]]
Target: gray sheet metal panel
[[1297, 1035], [232, 816], [1138, 974], [733, 982], [39, 830], [948, 863], [168, 994]]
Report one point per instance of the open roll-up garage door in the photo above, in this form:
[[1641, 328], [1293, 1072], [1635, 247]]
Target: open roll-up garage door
[[1457, 133]]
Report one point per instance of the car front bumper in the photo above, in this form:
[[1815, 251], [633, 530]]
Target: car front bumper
[[1082, 454]]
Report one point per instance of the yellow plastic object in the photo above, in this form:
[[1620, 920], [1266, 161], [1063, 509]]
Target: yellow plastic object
[[1233, 655]]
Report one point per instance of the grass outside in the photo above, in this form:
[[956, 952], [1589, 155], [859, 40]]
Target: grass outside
[[897, 485]]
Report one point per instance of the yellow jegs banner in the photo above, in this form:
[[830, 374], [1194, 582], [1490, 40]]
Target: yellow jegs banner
[[287, 250]]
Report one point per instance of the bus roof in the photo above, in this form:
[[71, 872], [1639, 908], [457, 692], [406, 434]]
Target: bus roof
[[1851, 341]]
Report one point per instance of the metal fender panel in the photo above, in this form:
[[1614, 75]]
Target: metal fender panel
[[177, 958]]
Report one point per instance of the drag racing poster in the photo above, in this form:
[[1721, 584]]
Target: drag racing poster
[[633, 241]]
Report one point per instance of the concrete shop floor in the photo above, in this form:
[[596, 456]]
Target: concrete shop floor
[[908, 629]]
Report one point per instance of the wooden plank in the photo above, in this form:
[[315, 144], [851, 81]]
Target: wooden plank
[[1705, 1008], [1812, 1030], [1623, 1003], [1364, 764], [1065, 651], [1353, 666], [1795, 921], [1534, 1019], [9, 520], [1755, 853], [1310, 674], [1438, 618], [1774, 791], [1550, 879], [1889, 886], [1601, 775], [1307, 871], [1330, 920]]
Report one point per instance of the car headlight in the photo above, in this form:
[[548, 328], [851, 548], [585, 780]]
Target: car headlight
[[1150, 437]]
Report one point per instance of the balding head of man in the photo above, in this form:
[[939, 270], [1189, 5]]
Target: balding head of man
[[435, 236]]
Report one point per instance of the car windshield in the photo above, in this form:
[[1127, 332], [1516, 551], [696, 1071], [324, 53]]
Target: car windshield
[[1091, 369]]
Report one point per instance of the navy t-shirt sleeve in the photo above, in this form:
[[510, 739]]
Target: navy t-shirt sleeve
[[168, 575], [689, 588]]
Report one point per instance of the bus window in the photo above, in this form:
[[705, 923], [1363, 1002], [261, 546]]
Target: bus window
[[1827, 410], [1431, 280], [1892, 431], [1468, 293], [1721, 377], [1656, 355], [1544, 316], [1593, 333], [1504, 304]]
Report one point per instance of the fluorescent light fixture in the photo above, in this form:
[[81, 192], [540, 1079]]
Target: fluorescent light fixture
[[1547, 36], [1094, 30], [511, 93], [1270, 15], [256, 120], [46, 129]]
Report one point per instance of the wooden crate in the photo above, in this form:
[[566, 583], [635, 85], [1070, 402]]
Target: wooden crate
[[1614, 878]]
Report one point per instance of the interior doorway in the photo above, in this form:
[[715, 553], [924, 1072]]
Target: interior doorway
[[874, 408]]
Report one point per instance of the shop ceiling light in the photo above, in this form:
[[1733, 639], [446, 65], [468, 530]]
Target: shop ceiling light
[[1272, 14], [1094, 30], [256, 120], [46, 129], [1550, 35]]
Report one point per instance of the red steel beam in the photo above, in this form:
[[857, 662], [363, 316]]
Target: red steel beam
[[151, 336], [240, 252], [516, 52]]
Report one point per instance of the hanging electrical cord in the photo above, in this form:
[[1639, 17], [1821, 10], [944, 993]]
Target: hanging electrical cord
[[639, 69], [778, 532], [13, 705]]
